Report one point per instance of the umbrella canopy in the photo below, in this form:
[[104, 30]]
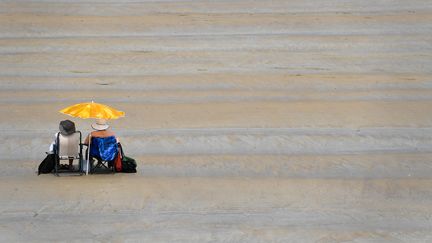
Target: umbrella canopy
[[92, 110]]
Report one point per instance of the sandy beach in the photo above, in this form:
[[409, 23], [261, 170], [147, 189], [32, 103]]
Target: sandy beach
[[251, 121]]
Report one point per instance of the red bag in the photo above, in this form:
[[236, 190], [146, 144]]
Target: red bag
[[118, 162]]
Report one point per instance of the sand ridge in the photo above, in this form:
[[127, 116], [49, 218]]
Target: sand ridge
[[251, 121]]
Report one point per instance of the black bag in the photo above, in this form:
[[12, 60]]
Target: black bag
[[128, 164], [47, 165]]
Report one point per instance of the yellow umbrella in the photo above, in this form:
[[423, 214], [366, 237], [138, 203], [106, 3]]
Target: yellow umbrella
[[92, 110]]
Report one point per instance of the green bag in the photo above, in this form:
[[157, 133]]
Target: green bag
[[128, 164]]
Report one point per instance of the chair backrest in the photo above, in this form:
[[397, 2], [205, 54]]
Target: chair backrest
[[69, 146], [105, 148]]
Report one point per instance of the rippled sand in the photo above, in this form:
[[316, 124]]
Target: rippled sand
[[252, 121]]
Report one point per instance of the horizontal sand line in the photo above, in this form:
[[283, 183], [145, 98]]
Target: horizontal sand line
[[16, 25], [240, 141], [157, 63], [405, 29], [364, 131], [368, 166], [348, 114], [330, 166], [207, 35], [325, 44], [385, 193], [228, 233], [175, 97], [228, 226], [220, 82], [145, 7], [203, 220], [278, 71]]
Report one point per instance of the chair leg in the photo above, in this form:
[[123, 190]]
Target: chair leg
[[91, 166], [81, 165], [104, 166], [55, 166]]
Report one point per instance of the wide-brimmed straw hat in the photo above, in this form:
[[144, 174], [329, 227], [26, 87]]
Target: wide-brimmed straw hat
[[100, 124], [67, 127]]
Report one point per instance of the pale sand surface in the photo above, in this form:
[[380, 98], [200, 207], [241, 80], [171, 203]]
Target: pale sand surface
[[138, 208], [251, 121]]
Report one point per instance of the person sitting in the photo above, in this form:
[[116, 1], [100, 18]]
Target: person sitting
[[66, 128], [103, 142]]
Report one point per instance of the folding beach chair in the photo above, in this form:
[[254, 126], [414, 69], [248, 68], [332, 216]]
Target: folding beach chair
[[104, 151], [66, 148]]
